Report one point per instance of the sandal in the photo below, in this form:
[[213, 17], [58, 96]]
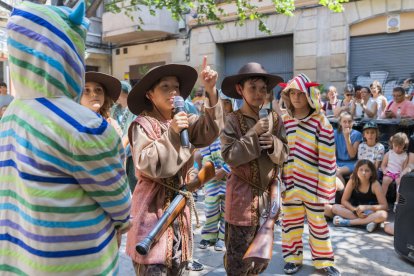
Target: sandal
[[340, 221]]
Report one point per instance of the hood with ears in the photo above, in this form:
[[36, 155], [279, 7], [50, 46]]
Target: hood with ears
[[46, 47], [302, 83]]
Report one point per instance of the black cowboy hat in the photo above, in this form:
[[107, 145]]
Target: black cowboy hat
[[249, 70], [186, 75], [111, 84]]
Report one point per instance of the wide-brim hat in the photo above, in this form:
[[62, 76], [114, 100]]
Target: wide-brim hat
[[249, 70], [111, 84], [186, 75]]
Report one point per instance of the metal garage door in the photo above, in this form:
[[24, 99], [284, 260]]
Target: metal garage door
[[392, 53], [275, 54]]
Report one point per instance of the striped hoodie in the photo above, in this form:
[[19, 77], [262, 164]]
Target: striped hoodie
[[309, 171], [63, 190]]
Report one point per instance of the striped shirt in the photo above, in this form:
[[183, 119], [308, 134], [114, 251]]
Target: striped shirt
[[213, 153], [309, 172]]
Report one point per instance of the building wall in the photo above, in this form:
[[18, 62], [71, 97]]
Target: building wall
[[321, 39]]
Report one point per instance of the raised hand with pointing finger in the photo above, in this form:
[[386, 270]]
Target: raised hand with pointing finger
[[209, 79]]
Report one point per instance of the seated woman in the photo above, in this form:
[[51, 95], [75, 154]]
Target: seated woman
[[368, 104], [399, 107], [378, 97], [363, 202], [100, 93], [347, 141], [346, 103]]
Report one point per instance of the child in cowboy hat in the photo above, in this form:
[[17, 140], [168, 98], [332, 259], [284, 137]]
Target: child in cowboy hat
[[308, 176], [162, 164], [100, 93], [254, 148]]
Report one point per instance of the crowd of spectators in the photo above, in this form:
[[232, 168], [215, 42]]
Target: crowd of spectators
[[369, 171]]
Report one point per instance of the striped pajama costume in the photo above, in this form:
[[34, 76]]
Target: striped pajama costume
[[320, 244], [309, 180], [215, 193], [63, 190]]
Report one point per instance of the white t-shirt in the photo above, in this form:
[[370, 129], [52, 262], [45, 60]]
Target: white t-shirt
[[374, 153], [380, 108]]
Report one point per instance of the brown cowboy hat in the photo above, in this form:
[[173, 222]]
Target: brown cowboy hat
[[111, 84], [186, 75], [251, 69]]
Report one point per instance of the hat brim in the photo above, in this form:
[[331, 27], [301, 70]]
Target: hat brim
[[186, 75], [228, 87], [111, 84]]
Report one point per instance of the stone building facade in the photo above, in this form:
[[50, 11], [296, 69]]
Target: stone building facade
[[321, 38]]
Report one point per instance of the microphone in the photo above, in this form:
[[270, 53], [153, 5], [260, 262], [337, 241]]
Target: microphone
[[179, 106], [263, 113]]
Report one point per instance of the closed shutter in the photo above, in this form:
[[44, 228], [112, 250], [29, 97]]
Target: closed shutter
[[275, 54], [393, 53]]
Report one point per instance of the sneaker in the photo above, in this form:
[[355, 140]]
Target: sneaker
[[204, 244], [371, 227], [219, 246], [291, 268], [331, 271], [195, 266]]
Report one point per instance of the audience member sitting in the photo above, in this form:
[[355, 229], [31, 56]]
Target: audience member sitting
[[329, 106], [371, 149], [356, 107], [408, 86], [363, 202], [394, 161], [368, 104], [376, 90], [347, 141], [410, 164], [346, 103], [399, 106]]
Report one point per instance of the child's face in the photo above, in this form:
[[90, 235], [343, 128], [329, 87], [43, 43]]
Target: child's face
[[398, 148], [93, 96], [371, 136], [364, 172], [346, 122], [254, 92], [163, 93], [298, 99], [227, 106]]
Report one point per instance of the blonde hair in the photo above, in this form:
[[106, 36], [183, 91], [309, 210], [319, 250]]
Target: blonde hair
[[377, 84], [399, 139], [341, 116]]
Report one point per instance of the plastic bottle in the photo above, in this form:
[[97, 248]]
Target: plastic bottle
[[399, 113]]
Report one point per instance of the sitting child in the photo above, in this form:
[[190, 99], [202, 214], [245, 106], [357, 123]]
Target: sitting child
[[371, 149], [363, 202], [347, 141], [394, 161]]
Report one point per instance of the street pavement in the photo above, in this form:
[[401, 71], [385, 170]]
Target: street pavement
[[356, 253]]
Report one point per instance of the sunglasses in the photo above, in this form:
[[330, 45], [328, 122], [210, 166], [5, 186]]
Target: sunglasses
[[348, 95]]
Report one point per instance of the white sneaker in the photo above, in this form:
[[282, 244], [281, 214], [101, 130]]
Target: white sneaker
[[371, 226]]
